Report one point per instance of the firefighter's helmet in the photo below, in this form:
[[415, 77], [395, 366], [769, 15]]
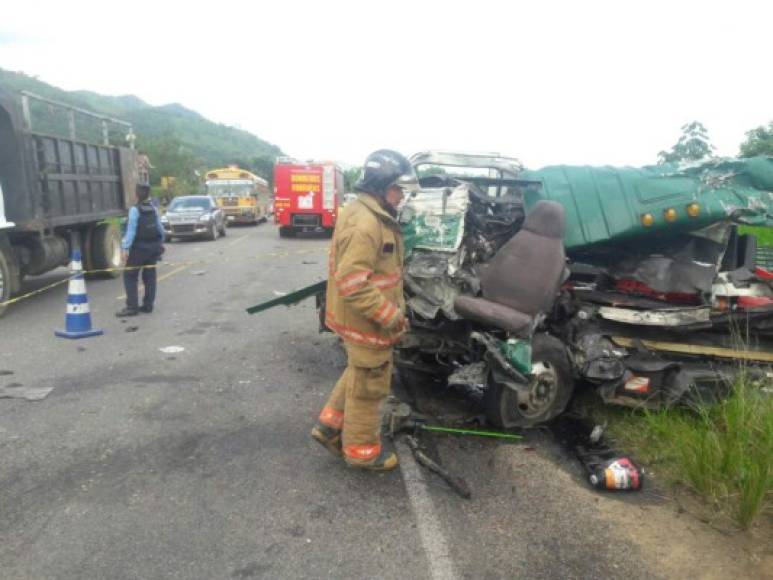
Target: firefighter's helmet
[[384, 168]]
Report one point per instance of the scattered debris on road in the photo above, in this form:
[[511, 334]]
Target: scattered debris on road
[[605, 468], [19, 391], [172, 349], [619, 474], [456, 483]]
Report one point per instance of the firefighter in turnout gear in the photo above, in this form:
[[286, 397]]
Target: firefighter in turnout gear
[[142, 247], [366, 308]]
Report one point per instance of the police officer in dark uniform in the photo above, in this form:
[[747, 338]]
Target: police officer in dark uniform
[[142, 248]]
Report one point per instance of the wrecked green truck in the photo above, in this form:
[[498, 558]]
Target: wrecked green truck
[[523, 286]]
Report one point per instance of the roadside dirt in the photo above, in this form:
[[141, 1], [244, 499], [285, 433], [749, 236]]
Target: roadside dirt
[[681, 543], [674, 533], [671, 532]]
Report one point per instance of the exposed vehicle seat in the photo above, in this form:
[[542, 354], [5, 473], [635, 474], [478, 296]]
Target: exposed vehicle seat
[[523, 277]]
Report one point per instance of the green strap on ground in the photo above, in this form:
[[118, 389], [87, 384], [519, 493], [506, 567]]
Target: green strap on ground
[[475, 432]]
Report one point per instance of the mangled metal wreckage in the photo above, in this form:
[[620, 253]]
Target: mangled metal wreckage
[[522, 284]]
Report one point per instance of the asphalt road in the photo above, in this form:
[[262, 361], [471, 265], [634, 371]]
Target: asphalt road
[[199, 464]]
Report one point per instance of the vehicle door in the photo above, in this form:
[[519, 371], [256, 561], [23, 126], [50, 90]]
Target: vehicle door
[[218, 215]]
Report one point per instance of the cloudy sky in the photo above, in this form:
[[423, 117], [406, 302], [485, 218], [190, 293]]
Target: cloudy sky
[[545, 81]]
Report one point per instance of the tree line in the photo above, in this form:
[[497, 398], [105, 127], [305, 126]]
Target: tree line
[[171, 158], [694, 144]]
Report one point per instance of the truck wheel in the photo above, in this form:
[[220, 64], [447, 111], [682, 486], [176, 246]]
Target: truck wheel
[[222, 229], [103, 250], [212, 232], [286, 232], [9, 278], [548, 393]]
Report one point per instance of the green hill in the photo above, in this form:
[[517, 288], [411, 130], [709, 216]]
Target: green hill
[[198, 142]]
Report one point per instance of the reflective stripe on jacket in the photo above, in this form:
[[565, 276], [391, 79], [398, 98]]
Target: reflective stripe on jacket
[[365, 303]]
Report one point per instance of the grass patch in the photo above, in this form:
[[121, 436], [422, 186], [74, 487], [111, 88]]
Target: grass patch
[[724, 452], [764, 235], [115, 221]]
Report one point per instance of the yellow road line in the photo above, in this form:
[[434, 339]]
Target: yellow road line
[[237, 240], [173, 272], [182, 265], [164, 277]]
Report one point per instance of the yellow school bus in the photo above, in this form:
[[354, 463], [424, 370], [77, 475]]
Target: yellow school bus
[[243, 195]]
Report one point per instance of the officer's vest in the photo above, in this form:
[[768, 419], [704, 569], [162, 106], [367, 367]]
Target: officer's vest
[[147, 228]]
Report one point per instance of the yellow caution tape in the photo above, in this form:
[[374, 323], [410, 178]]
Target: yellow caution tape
[[34, 292], [73, 274]]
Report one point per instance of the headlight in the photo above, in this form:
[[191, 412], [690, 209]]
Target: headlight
[[164, 219], [205, 217]]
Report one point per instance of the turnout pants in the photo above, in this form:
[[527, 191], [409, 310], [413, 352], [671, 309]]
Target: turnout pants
[[355, 403], [140, 256]]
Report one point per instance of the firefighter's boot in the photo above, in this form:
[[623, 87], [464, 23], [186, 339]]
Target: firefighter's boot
[[386, 461], [328, 437]]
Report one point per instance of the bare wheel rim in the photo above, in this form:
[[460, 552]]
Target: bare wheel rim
[[541, 392]]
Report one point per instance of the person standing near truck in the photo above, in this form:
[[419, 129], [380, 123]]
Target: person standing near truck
[[366, 308], [142, 247]]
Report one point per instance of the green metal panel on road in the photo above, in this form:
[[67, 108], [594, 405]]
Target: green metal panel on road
[[606, 203]]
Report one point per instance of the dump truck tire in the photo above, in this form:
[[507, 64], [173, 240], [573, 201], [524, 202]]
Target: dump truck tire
[[547, 394], [103, 250], [7, 282]]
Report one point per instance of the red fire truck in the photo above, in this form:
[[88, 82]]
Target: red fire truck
[[306, 195]]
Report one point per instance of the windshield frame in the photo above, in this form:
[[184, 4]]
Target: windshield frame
[[230, 187], [196, 203]]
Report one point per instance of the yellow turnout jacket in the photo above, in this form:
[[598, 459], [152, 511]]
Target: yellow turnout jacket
[[365, 304]]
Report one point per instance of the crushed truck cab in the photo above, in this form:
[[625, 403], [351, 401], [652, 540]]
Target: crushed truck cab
[[521, 285], [656, 282]]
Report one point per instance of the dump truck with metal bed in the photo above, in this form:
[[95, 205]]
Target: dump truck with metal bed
[[60, 179]]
